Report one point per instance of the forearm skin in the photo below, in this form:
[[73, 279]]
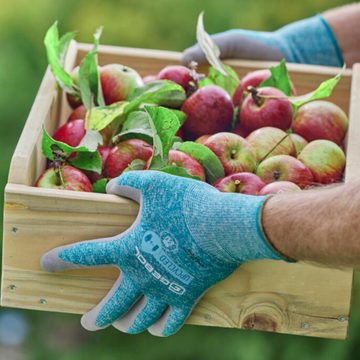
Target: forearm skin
[[320, 225]]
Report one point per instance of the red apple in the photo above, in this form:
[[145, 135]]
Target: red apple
[[279, 187], [253, 79], [269, 141], [104, 153], [118, 82], [78, 113], [284, 168], [234, 152], [299, 142], [65, 178], [266, 107], [71, 133], [208, 110], [325, 159], [178, 74], [321, 120], [245, 183], [123, 154], [188, 162], [180, 133], [240, 130], [202, 139]]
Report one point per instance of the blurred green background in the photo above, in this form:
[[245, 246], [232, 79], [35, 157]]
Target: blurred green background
[[152, 24]]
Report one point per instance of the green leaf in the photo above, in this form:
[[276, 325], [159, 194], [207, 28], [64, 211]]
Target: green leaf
[[208, 160], [89, 82], [208, 46], [177, 170], [102, 116], [55, 53], [87, 161], [279, 78], [136, 126], [323, 91], [48, 143], [91, 140], [180, 115], [160, 92], [136, 164], [164, 124], [99, 186], [228, 82], [64, 44]]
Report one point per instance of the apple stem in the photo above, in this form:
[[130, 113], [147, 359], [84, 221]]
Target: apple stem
[[275, 146], [258, 100]]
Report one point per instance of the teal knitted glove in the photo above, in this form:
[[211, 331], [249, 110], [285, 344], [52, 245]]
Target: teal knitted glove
[[308, 41], [187, 237]]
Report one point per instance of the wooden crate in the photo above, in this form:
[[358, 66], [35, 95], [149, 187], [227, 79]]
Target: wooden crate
[[274, 296]]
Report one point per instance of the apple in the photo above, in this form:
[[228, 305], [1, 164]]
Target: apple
[[188, 162], [202, 139], [325, 159], [266, 107], [123, 154], [118, 82], [104, 153], [234, 152], [208, 110], [180, 133], [299, 142], [78, 113], [321, 120], [279, 187], [253, 79], [71, 133], [240, 130], [149, 78], [284, 168], [269, 141], [179, 74], [244, 182], [65, 177]]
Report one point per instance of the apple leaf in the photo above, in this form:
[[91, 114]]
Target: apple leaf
[[279, 78], [208, 46], [178, 171], [89, 82], [164, 124], [99, 186], [160, 92], [323, 91], [102, 116], [136, 126], [214, 170], [228, 82], [91, 140], [87, 161], [136, 164], [55, 50]]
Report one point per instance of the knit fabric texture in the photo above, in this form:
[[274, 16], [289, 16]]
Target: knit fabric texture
[[187, 237]]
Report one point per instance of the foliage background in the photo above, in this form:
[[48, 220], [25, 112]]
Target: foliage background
[[158, 24]]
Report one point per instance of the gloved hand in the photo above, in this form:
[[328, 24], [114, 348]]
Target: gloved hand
[[187, 237], [308, 41]]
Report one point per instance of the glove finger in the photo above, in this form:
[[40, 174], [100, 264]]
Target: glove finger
[[170, 322], [131, 184], [96, 252], [119, 300], [140, 317]]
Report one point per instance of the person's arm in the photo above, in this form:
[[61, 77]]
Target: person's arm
[[321, 225], [344, 22], [331, 38]]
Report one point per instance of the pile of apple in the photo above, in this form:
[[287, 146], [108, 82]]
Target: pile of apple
[[260, 145]]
